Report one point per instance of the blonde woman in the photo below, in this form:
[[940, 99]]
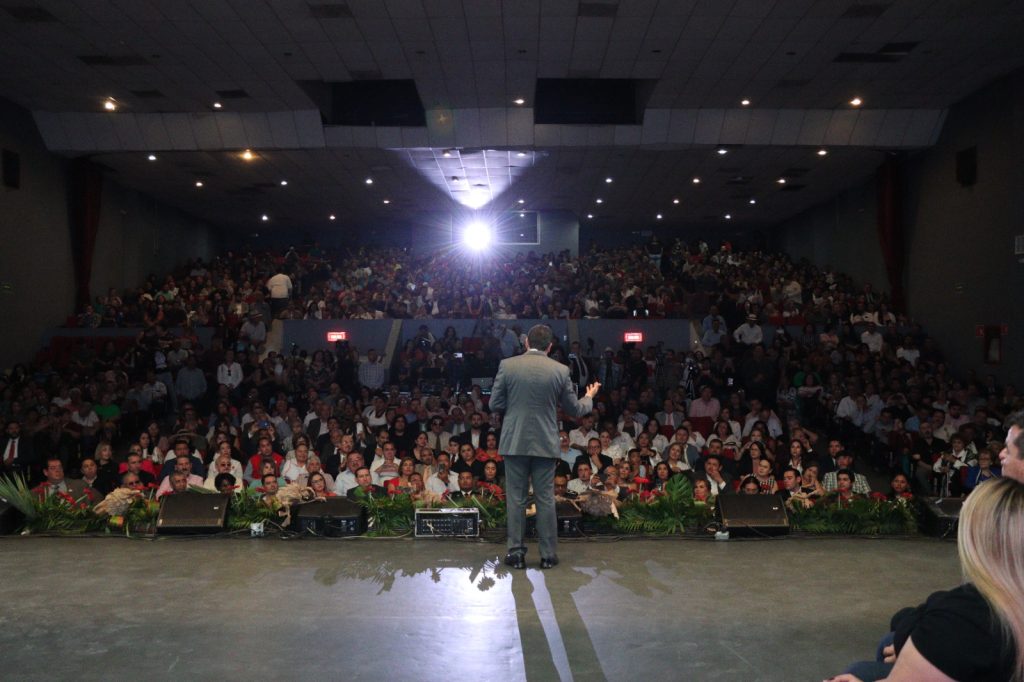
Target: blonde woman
[[974, 631]]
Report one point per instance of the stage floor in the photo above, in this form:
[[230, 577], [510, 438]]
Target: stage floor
[[223, 608]]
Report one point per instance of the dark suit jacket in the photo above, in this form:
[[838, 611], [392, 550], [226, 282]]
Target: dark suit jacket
[[605, 460], [476, 468], [25, 455], [467, 436], [375, 490]]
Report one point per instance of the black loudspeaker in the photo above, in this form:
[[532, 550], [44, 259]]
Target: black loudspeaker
[[11, 169], [752, 514], [940, 516], [332, 517], [570, 521], [967, 166], [183, 513], [10, 518]]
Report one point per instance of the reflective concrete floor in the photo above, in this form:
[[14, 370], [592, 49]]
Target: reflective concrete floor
[[789, 609]]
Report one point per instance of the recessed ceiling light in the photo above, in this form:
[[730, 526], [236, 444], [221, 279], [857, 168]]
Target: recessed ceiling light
[[519, 101], [753, 201], [110, 104], [590, 216], [331, 217], [598, 201], [722, 151], [264, 217], [520, 154], [218, 105], [446, 154], [781, 181], [675, 201], [284, 183], [822, 152], [522, 215], [455, 180], [728, 216], [369, 181], [608, 180], [658, 217], [151, 157], [856, 102], [745, 102], [387, 201], [696, 181], [522, 201], [248, 155], [199, 183]]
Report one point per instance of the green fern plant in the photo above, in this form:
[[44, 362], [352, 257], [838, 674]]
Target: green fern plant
[[856, 517], [673, 511]]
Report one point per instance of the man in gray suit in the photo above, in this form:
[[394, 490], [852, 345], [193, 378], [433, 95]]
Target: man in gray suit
[[529, 389]]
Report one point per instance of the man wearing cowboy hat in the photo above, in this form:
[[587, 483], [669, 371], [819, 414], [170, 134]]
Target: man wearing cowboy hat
[[749, 333]]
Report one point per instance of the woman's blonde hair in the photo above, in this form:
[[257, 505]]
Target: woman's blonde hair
[[991, 544]]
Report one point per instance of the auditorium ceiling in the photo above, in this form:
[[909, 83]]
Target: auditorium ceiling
[[741, 94]]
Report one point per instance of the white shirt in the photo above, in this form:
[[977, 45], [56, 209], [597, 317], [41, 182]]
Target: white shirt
[[346, 481], [624, 442], [292, 470], [748, 334], [88, 421], [438, 487], [578, 437], [280, 286], [229, 375], [614, 450], [872, 340], [578, 486]]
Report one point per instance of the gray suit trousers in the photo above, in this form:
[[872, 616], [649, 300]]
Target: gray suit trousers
[[519, 470]]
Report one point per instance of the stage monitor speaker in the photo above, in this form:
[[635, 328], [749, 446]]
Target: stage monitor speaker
[[940, 516], [192, 513], [448, 523], [570, 521], [332, 517], [752, 514], [11, 169], [967, 166], [10, 518]]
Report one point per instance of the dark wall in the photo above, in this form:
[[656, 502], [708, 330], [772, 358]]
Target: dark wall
[[136, 236], [960, 270], [841, 235]]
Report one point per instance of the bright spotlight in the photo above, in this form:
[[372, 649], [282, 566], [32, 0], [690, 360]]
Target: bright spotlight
[[476, 236]]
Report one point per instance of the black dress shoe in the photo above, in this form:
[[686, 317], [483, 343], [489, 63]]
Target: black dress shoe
[[515, 560], [549, 563]]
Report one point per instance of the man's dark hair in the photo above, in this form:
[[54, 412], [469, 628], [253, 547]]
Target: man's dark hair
[[848, 472], [539, 337], [793, 469], [221, 479], [264, 478], [182, 441], [1019, 423]]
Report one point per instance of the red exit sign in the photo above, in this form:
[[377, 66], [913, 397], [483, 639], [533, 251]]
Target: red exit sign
[[633, 337], [333, 337]]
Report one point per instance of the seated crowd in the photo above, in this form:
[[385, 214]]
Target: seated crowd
[[804, 385]]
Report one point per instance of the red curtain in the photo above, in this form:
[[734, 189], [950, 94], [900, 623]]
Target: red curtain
[[86, 189], [890, 227]]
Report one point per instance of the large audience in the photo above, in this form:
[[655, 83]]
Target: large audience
[[803, 385]]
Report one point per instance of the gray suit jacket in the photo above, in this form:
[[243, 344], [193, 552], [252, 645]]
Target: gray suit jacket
[[529, 389]]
